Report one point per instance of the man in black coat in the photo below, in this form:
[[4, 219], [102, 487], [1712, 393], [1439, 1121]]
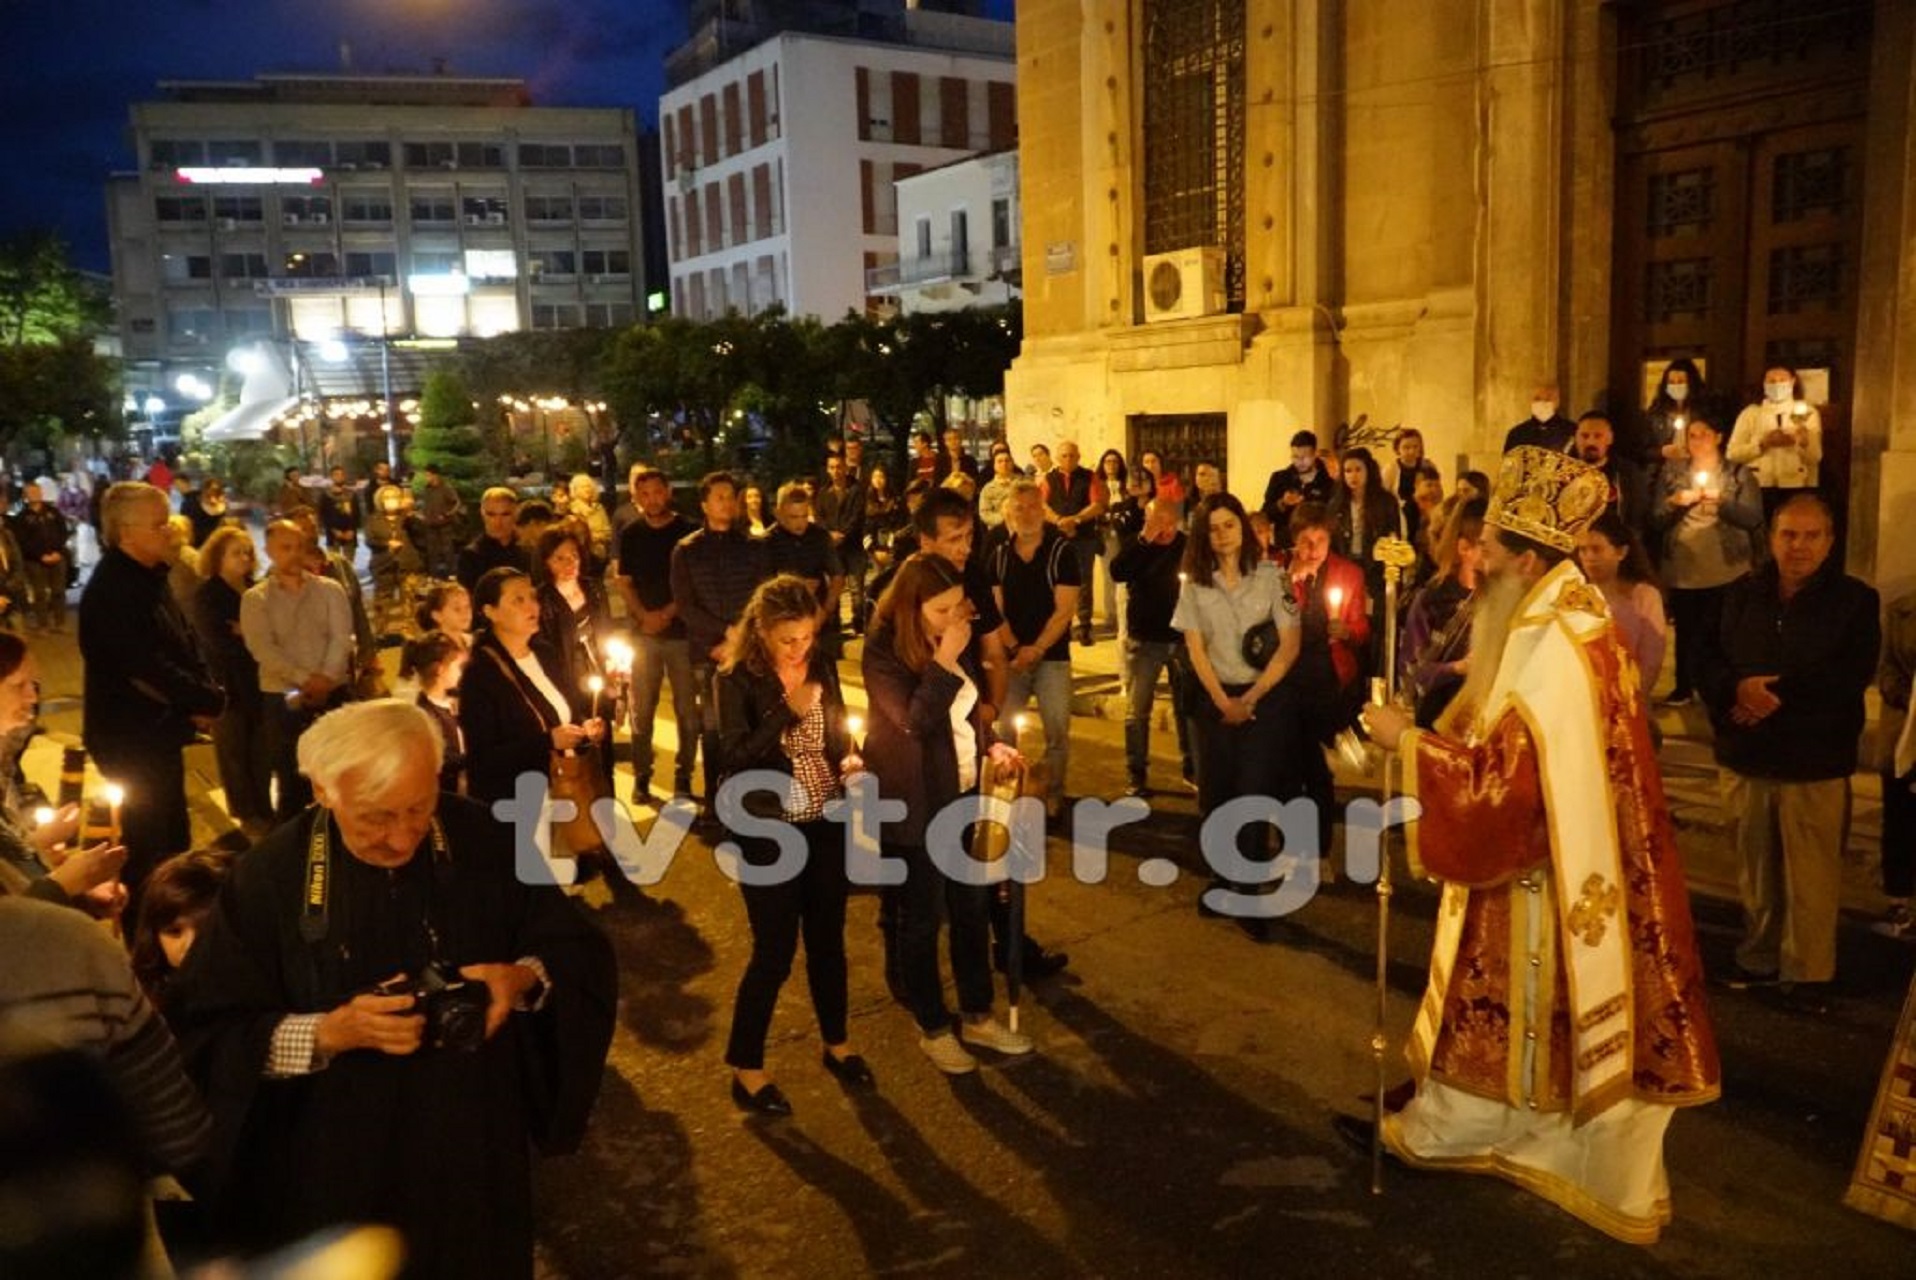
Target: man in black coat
[[498, 545], [339, 1093], [148, 689], [1798, 647], [1546, 427]]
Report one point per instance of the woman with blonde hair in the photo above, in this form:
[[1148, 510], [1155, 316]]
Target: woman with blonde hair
[[781, 712], [227, 560]]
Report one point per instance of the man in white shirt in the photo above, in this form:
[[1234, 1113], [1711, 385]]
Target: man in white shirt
[[299, 628]]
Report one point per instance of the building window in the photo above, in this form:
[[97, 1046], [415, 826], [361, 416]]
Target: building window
[[431, 155], [431, 208], [735, 198], [175, 153], [598, 156], [435, 263], [236, 153], [762, 202], [180, 208], [714, 218], [363, 155], [1193, 76], [960, 241], [179, 268], [243, 266], [543, 155], [755, 108], [602, 209], [192, 326], [734, 120], [297, 211], [370, 264], [708, 128], [484, 211], [233, 209], [311, 266], [552, 264], [694, 225], [954, 113], [607, 262], [299, 153], [366, 207], [924, 237], [1001, 222], [906, 108], [247, 322], [608, 315], [548, 209], [481, 155], [555, 315]]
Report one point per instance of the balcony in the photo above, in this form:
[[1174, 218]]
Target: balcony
[[935, 268]]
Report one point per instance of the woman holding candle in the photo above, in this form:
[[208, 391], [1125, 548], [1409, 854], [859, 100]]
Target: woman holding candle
[[1364, 511], [33, 835], [1708, 517], [928, 746], [1679, 391], [515, 707], [781, 712], [574, 616]]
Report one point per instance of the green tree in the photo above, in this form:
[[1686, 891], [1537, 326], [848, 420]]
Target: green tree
[[448, 438], [53, 383]]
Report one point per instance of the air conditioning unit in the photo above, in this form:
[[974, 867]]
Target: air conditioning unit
[[496, 219], [229, 224], [347, 166], [475, 219], [320, 219], [293, 219], [1183, 283]]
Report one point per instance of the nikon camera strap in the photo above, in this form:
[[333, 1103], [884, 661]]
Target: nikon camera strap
[[315, 913]]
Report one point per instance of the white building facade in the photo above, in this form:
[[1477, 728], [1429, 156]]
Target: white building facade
[[958, 241], [780, 164]]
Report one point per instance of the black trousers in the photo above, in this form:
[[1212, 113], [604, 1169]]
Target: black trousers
[[154, 824], [925, 898], [1899, 836], [1697, 614], [1258, 758], [811, 904]]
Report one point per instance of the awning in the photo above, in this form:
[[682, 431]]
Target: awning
[[249, 421]]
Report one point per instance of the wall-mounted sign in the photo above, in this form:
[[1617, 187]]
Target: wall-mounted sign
[[1061, 257], [201, 176]]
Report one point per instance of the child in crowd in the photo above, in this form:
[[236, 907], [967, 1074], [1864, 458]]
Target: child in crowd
[[437, 660], [177, 899]]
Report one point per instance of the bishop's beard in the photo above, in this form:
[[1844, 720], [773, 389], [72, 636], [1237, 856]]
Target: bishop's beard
[[1493, 610]]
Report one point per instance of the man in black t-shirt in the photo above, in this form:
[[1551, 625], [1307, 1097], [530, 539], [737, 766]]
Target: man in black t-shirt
[[660, 649], [1038, 579]]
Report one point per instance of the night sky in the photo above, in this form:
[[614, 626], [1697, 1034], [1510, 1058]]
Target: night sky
[[73, 68]]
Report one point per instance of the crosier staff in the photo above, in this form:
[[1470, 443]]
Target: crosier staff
[[1397, 557]]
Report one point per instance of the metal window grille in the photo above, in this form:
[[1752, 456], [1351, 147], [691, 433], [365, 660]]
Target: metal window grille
[[1194, 131]]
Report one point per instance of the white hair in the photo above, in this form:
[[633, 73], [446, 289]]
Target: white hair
[[368, 742], [584, 487]]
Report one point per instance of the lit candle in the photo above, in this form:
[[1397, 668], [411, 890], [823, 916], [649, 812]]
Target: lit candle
[[115, 797], [618, 657], [1801, 409], [1679, 422], [1335, 597], [43, 816], [1019, 723], [855, 729], [596, 686], [1702, 479]]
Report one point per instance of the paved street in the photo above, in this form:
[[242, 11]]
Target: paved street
[[1175, 1120]]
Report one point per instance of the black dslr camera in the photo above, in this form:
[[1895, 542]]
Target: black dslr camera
[[454, 1007]]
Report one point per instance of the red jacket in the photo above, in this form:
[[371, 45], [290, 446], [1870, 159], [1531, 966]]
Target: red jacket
[[1353, 610]]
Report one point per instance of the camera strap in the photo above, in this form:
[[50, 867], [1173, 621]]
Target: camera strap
[[316, 910]]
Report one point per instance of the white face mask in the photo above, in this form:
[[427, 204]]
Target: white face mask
[[1543, 410], [1777, 392], [1679, 391]]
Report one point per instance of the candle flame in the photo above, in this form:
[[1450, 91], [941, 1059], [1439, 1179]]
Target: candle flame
[[854, 725], [595, 685], [42, 816], [115, 794], [1702, 479]]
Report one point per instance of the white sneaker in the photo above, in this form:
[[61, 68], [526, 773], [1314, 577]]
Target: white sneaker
[[993, 1034], [948, 1055]]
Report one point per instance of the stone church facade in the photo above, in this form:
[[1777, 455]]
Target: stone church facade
[[1412, 214]]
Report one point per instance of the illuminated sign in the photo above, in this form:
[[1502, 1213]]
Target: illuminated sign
[[210, 177]]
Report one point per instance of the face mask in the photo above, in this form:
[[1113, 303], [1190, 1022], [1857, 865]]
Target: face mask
[[1543, 410], [1679, 391], [1776, 392]]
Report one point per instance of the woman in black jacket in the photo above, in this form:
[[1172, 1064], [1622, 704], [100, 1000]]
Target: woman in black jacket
[[514, 707], [781, 713], [239, 744], [927, 747]]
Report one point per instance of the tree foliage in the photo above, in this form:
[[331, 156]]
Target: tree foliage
[[448, 437], [53, 383]]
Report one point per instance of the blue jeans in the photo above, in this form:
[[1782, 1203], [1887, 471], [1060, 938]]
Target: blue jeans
[[1144, 661], [1051, 681], [657, 659]]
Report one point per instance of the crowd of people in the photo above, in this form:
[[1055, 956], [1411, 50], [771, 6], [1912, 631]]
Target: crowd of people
[[371, 955]]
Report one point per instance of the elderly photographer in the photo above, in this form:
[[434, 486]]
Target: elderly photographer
[[346, 1087]]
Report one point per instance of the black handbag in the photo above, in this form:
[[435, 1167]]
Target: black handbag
[[1260, 644]]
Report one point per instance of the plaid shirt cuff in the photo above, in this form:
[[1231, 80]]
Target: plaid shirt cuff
[[544, 992], [295, 1047]]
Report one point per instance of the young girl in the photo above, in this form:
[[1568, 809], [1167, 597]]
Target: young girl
[[437, 661], [446, 607], [175, 902]]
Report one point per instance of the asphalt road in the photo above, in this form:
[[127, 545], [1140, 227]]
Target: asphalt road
[[1176, 1117]]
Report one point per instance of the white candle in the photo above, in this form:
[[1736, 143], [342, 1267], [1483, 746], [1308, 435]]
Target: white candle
[[1702, 479], [1336, 598], [618, 657], [115, 797], [855, 729], [596, 686]]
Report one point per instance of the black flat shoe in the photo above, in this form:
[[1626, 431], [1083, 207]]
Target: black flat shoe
[[850, 1070], [766, 1102]]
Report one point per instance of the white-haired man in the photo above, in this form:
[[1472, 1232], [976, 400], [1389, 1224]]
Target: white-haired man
[[340, 1093], [1565, 1014]]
